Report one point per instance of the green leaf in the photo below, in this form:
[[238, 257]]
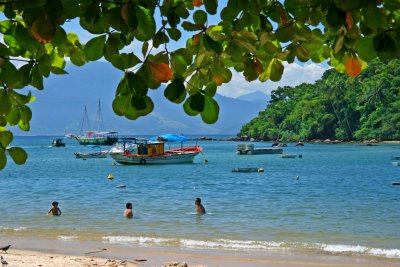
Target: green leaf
[[178, 63], [302, 54], [36, 77], [250, 73], [284, 33], [25, 126], [211, 6], [200, 17], [146, 28], [385, 46], [124, 61], [197, 102], [14, 116], [188, 26], [99, 26], [26, 113], [346, 5], [174, 33], [25, 40], [94, 48], [58, 71], [138, 103], [44, 64], [213, 45], [3, 158], [366, 49], [5, 103], [145, 48], [188, 110], [211, 110], [18, 155], [149, 107], [77, 56], [3, 121], [335, 17], [276, 70], [131, 113], [4, 51], [121, 104], [375, 17], [211, 89], [6, 138], [175, 91], [8, 72]]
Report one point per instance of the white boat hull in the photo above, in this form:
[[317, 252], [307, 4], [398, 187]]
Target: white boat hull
[[162, 159]]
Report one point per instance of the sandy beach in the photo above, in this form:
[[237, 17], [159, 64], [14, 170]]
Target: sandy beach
[[29, 252]]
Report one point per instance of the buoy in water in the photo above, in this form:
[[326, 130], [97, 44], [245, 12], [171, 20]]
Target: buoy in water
[[205, 160], [110, 176], [260, 169]]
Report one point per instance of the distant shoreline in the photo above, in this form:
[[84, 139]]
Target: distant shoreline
[[315, 141]]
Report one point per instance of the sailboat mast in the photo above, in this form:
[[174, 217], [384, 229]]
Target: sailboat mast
[[99, 118], [85, 124]]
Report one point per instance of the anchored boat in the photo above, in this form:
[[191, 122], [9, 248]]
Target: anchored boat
[[98, 153], [97, 137], [137, 151], [58, 142]]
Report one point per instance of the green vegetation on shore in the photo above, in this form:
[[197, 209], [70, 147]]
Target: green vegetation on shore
[[334, 107]]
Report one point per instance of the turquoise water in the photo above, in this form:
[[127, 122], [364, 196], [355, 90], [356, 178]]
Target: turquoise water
[[343, 201]]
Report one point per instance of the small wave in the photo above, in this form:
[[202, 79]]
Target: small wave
[[253, 245], [231, 244], [388, 253], [126, 240], [16, 229], [67, 237]]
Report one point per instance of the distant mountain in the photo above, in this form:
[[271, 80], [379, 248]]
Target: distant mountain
[[59, 108], [256, 96]]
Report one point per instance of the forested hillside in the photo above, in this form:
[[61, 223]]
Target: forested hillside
[[334, 107]]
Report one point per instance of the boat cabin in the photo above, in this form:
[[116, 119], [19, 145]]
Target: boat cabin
[[150, 149]]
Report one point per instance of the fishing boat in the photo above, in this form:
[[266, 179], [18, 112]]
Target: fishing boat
[[290, 156], [91, 137], [131, 151], [97, 154], [58, 142]]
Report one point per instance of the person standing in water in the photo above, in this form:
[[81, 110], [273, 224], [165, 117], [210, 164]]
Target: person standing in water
[[55, 210], [199, 207], [128, 213]]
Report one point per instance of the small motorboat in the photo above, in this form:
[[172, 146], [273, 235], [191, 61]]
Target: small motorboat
[[290, 156], [97, 154], [58, 142]]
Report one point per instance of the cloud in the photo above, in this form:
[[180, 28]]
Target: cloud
[[294, 74]]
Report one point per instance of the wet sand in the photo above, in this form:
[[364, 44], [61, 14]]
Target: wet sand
[[43, 252]]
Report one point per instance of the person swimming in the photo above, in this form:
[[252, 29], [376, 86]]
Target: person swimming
[[199, 207]]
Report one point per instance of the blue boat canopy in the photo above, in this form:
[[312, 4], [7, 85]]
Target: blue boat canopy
[[170, 138]]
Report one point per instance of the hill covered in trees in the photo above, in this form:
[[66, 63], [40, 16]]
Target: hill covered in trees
[[334, 107]]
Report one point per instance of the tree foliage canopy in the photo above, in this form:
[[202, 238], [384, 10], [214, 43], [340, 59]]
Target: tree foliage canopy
[[252, 37], [335, 107]]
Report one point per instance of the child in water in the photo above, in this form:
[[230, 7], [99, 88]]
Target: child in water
[[55, 210], [128, 213], [199, 207]]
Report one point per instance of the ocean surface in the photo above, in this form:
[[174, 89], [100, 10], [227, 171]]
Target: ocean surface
[[336, 199]]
